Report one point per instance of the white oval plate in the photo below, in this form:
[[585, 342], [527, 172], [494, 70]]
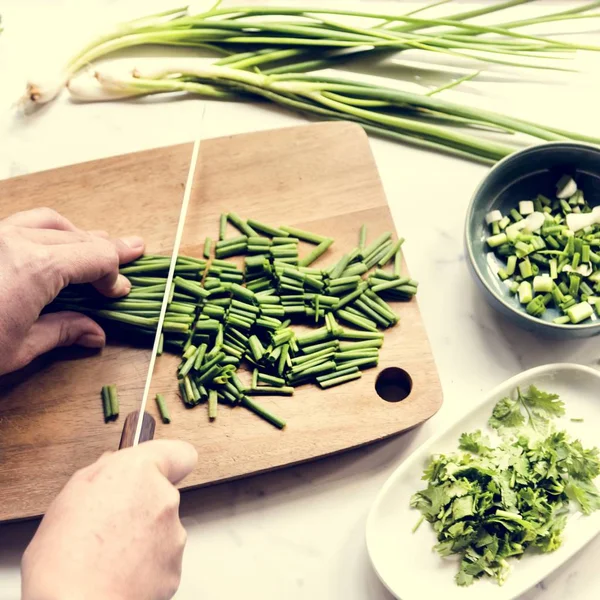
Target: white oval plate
[[406, 562]]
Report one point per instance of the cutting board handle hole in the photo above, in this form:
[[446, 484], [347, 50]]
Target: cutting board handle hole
[[393, 384]]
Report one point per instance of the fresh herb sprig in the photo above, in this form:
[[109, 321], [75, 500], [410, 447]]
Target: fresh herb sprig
[[488, 503]]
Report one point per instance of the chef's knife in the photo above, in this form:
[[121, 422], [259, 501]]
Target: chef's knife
[[139, 425]]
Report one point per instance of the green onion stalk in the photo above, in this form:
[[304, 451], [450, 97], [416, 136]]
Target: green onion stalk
[[301, 39], [393, 113]]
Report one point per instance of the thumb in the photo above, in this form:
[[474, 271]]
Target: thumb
[[173, 458], [59, 329]]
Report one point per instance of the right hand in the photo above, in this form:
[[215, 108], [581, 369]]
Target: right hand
[[114, 530]]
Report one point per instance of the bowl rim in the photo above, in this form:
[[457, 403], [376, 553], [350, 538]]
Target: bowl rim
[[469, 241]]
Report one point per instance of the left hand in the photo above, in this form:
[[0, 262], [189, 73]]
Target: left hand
[[41, 252]]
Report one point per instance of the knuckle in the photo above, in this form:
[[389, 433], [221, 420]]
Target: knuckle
[[108, 253], [7, 241], [172, 584], [142, 463], [113, 255], [46, 211], [169, 506], [7, 231], [89, 473], [173, 499], [136, 464], [81, 475], [65, 333], [49, 217], [27, 352], [26, 559], [182, 536]]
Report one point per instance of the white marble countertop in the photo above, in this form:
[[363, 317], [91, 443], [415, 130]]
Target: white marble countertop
[[299, 532]]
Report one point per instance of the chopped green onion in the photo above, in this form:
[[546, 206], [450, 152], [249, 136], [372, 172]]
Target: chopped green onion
[[392, 252], [106, 404], [580, 312], [212, 404], [525, 292], [339, 380], [316, 253], [162, 409], [114, 401], [265, 390]]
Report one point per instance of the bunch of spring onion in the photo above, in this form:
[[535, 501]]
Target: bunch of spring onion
[[418, 119], [551, 253], [221, 316], [300, 39]]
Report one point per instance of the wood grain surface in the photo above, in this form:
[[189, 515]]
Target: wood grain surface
[[50, 414], [320, 177]]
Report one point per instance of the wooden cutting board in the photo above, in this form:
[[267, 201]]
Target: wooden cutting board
[[320, 177]]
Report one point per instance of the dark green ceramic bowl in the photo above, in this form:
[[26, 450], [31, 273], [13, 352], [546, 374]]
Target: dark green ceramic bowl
[[522, 176]]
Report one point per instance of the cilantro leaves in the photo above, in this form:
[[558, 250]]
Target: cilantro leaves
[[535, 409], [488, 502]]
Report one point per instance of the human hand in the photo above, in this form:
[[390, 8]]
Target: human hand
[[41, 252], [114, 530]]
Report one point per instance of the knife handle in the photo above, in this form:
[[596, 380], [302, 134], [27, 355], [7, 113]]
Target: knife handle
[[130, 426]]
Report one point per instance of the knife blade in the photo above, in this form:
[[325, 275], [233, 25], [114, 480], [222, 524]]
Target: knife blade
[[144, 423]]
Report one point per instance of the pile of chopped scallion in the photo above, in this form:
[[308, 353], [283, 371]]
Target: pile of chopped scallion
[[221, 315], [550, 252]]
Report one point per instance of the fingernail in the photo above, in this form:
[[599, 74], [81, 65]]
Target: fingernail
[[91, 340], [123, 285], [119, 288], [134, 242]]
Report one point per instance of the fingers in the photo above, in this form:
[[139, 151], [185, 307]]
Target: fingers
[[99, 233], [59, 329], [129, 248], [113, 284], [42, 218], [97, 261], [52, 237], [173, 458]]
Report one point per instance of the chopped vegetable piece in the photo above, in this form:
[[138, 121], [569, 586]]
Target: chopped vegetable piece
[[566, 187], [526, 207], [497, 240], [162, 409], [106, 406], [493, 216], [212, 404], [543, 283], [555, 242], [339, 380], [525, 292], [262, 412], [316, 253], [391, 253], [207, 247], [264, 390], [580, 312], [362, 238], [114, 401]]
